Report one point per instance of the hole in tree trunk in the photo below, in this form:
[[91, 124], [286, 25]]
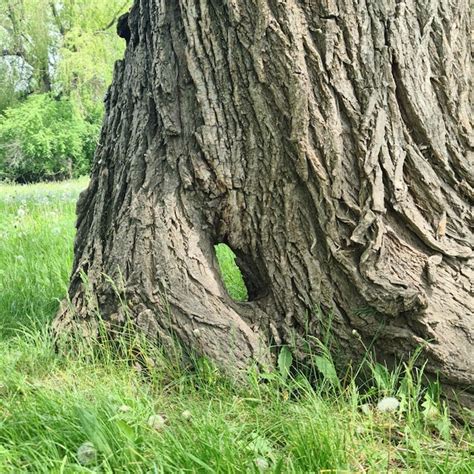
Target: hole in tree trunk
[[243, 277], [231, 274]]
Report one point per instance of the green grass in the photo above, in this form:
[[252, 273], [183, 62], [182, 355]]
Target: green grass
[[231, 275], [36, 234], [51, 404]]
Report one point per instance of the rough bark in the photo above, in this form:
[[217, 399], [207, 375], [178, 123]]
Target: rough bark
[[327, 142]]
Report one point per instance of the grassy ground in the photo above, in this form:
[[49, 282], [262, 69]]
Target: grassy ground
[[96, 412]]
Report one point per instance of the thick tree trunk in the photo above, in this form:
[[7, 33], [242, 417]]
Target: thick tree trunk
[[327, 142]]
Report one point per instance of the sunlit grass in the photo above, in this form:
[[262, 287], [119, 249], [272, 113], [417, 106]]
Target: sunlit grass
[[51, 404], [36, 234], [233, 280]]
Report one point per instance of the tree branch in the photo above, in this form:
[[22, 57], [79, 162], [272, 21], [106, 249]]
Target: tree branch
[[114, 19]]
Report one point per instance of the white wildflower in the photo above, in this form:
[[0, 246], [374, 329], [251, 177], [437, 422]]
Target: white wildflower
[[388, 404], [262, 464], [87, 454], [21, 213], [124, 409], [186, 415], [360, 430], [157, 422], [365, 409]]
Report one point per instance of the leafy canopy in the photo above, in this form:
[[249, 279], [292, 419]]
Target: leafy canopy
[[64, 49]]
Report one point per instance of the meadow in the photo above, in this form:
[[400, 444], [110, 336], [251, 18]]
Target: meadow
[[93, 410]]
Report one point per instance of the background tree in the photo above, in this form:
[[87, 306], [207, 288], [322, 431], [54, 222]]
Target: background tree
[[65, 49], [326, 142]]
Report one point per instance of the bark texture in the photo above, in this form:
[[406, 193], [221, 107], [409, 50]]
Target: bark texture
[[328, 142]]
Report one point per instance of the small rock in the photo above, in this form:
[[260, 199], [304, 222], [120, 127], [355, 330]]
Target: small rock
[[86, 454], [388, 404]]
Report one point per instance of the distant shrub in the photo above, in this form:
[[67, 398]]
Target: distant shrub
[[44, 139]]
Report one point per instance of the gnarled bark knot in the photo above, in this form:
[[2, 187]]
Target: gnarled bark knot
[[328, 143]]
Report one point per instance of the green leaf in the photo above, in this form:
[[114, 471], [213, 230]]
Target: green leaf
[[443, 426], [126, 430], [327, 369], [285, 360]]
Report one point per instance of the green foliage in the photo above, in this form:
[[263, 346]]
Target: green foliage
[[70, 45], [44, 138], [325, 366], [9, 77], [88, 48], [285, 361], [60, 48], [231, 274], [36, 234], [26, 33], [52, 404]]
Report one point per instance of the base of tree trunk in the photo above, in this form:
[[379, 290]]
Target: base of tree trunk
[[327, 143]]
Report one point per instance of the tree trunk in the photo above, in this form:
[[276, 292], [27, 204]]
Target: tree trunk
[[327, 142]]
